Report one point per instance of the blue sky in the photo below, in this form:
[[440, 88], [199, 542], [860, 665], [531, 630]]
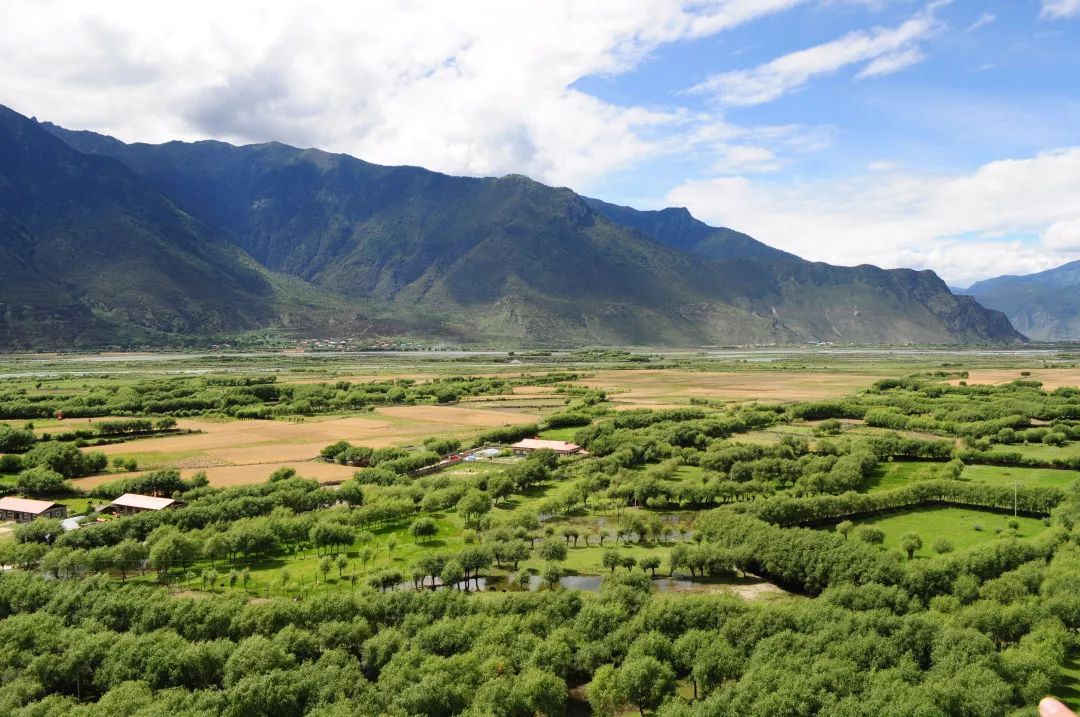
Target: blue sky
[[996, 80], [920, 133]]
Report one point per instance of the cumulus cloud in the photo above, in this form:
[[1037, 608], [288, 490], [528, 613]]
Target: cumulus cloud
[[885, 50], [1063, 236], [472, 87], [1057, 9], [965, 225]]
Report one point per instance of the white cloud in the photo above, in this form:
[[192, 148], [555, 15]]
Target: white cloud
[[1063, 236], [985, 19], [1056, 9], [885, 50], [471, 87], [892, 62], [967, 226]]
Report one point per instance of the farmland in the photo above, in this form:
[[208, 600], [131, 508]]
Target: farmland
[[705, 508]]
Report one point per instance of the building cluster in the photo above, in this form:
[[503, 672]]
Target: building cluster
[[24, 510]]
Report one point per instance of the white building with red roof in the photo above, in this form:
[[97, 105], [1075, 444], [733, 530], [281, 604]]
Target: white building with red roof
[[23, 510], [131, 503], [528, 445]]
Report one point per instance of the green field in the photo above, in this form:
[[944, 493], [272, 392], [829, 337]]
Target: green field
[[955, 524], [1005, 475], [897, 474], [1067, 688], [1040, 451], [560, 434]]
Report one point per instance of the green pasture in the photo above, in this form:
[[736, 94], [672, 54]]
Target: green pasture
[[958, 525], [898, 474], [1040, 451]]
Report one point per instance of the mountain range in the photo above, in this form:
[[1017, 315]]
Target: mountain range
[[1045, 306], [108, 243]]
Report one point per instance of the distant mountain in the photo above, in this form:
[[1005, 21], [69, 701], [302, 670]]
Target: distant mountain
[[206, 237], [1045, 306]]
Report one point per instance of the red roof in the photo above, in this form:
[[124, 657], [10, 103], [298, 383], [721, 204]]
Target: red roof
[[143, 502], [25, 505], [535, 444]]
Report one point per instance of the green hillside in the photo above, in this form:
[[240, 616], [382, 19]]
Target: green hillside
[[208, 238]]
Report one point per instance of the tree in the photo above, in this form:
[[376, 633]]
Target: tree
[[909, 543], [128, 555], [325, 564], [650, 563], [15, 440], [39, 481], [943, 546], [253, 656], [870, 534], [500, 486], [552, 550], [645, 681], [715, 662], [605, 692], [611, 559], [341, 562], [39, 530], [283, 473], [844, 527], [679, 558], [537, 691], [352, 492], [452, 573], [423, 528], [473, 505], [216, 546], [552, 574]]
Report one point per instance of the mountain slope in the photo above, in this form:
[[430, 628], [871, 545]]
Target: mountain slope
[[834, 303], [1045, 306], [86, 246], [677, 228], [511, 259]]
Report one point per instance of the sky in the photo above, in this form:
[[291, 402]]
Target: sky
[[920, 133]]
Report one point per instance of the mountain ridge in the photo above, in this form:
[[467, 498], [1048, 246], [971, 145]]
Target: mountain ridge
[[501, 259], [1045, 305]]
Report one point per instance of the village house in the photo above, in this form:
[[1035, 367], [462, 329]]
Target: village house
[[528, 445], [131, 503], [24, 510]]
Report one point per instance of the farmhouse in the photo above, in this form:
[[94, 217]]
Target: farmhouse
[[131, 503], [23, 510], [528, 445]]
